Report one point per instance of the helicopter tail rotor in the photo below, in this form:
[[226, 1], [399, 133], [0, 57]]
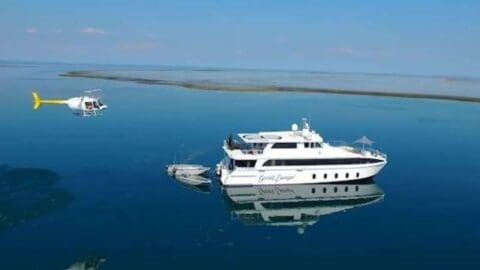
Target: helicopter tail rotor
[[36, 101]]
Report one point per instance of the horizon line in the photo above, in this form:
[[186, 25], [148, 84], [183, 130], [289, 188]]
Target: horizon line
[[248, 68]]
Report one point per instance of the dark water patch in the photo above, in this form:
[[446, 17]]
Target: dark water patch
[[29, 193], [18, 180]]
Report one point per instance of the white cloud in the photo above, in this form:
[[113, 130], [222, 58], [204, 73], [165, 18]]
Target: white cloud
[[150, 35], [281, 39], [239, 52], [359, 53], [31, 31], [343, 51], [92, 31], [138, 46]]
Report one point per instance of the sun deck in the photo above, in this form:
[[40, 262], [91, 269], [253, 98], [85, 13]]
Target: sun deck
[[281, 136]]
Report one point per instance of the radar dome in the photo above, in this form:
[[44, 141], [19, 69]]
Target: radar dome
[[294, 127]]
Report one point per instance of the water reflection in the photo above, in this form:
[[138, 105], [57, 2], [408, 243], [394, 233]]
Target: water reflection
[[28, 193], [89, 263], [196, 183], [297, 205]]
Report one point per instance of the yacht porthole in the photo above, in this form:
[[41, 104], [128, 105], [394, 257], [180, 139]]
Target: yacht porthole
[[356, 188], [336, 175], [358, 174], [346, 189], [314, 176], [324, 190], [325, 176], [313, 190], [347, 175], [335, 189]]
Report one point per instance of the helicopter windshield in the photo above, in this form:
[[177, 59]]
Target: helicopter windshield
[[95, 105], [100, 103]]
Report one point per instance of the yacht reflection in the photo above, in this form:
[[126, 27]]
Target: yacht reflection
[[298, 205], [28, 193], [89, 263]]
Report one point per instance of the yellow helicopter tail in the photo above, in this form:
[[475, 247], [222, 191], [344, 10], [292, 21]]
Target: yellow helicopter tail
[[37, 101]]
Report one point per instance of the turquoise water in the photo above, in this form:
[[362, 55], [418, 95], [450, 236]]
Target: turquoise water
[[94, 189]]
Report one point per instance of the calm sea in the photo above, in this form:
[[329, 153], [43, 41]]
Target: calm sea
[[92, 192]]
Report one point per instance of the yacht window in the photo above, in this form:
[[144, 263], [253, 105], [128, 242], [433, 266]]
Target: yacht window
[[284, 145], [358, 174], [313, 190], [325, 176], [336, 175], [324, 190], [270, 163], [305, 145], [324, 161], [335, 189], [245, 163], [347, 175], [356, 188], [314, 176], [318, 145], [346, 189]]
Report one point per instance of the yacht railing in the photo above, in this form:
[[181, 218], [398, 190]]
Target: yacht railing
[[339, 143], [252, 151], [359, 150], [376, 152], [244, 148], [369, 150]]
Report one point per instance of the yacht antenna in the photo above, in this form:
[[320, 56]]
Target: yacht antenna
[[305, 124]]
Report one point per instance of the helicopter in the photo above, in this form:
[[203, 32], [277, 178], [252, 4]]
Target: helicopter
[[86, 105]]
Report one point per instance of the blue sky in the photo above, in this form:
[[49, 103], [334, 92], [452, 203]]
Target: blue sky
[[414, 37]]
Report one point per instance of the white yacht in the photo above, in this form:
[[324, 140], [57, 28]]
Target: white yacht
[[296, 156]]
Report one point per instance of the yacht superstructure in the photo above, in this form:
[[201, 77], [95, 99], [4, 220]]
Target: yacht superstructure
[[296, 156]]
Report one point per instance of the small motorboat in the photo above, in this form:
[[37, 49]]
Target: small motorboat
[[193, 180], [186, 169]]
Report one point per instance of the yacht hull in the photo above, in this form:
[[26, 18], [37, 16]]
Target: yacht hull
[[291, 176]]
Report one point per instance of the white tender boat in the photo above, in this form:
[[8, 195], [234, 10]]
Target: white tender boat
[[294, 157], [186, 169]]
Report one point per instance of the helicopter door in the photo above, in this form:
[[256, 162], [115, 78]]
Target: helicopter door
[[95, 105]]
